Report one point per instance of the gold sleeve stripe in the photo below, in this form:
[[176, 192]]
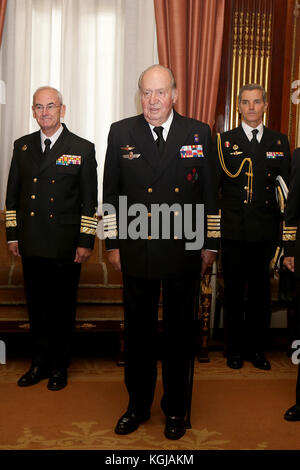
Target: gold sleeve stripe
[[11, 219], [289, 237], [289, 233], [88, 225], [213, 234]]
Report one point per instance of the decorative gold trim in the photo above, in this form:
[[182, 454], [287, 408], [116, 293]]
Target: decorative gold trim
[[213, 234], [85, 326]]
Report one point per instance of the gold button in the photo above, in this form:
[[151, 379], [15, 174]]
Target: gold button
[[175, 238], [51, 199], [149, 214], [246, 187], [32, 196], [267, 202], [176, 213], [149, 238], [149, 190], [51, 216], [245, 202], [53, 181], [176, 190], [34, 180], [268, 187], [269, 174], [32, 214]]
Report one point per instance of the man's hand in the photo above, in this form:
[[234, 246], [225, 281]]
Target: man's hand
[[208, 257], [13, 248], [114, 259], [289, 262], [82, 254]]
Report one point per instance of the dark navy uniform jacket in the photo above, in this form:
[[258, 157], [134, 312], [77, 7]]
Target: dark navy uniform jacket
[[245, 215], [184, 174], [291, 232], [51, 201]]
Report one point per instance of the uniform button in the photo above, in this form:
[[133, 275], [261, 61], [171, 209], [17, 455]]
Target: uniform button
[[175, 238], [245, 202], [149, 214], [176, 213], [246, 187], [149, 238], [51, 199], [267, 202], [32, 196], [269, 174], [51, 216], [176, 190], [32, 214], [149, 190], [52, 181], [34, 180], [267, 187]]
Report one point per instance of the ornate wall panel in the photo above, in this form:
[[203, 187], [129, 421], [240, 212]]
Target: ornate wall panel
[[254, 48], [251, 48]]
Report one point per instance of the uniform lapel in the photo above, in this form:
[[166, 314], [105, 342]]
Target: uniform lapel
[[242, 141], [35, 149], [176, 137], [267, 140], [143, 137]]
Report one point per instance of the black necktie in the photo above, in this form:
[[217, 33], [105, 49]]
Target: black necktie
[[160, 140], [254, 141], [47, 143]]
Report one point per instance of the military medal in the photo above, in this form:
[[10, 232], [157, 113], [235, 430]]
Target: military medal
[[196, 138], [128, 148], [227, 144]]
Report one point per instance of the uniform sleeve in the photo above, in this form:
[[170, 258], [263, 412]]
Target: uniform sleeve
[[212, 212], [292, 211], [12, 199], [89, 200], [111, 191]]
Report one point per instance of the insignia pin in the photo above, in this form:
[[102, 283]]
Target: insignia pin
[[227, 144], [235, 147]]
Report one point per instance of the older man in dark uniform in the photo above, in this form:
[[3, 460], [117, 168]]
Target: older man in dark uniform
[[249, 159], [51, 223], [159, 159]]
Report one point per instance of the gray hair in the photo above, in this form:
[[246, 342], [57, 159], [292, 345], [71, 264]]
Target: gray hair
[[253, 86], [158, 66], [59, 95]]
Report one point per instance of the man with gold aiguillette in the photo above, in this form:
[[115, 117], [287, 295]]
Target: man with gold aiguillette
[[249, 159]]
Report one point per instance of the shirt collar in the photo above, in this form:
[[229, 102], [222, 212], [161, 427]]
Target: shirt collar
[[53, 137], [166, 125], [248, 130]]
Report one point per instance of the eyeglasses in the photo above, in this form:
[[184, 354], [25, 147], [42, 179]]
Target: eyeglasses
[[50, 107]]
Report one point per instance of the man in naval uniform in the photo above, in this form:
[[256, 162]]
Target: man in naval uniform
[[51, 223], [159, 158], [249, 159], [291, 244]]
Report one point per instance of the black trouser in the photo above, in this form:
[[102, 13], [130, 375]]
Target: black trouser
[[247, 294], [51, 292], [141, 298]]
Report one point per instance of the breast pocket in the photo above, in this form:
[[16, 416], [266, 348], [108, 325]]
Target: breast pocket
[[67, 170]]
